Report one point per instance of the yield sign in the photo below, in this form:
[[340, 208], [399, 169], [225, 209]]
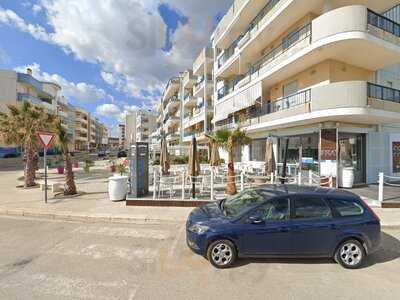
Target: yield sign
[[45, 138]]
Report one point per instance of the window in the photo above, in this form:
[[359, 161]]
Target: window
[[290, 88], [235, 205], [274, 210], [347, 208], [311, 208]]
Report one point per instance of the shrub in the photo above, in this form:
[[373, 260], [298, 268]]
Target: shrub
[[181, 160]]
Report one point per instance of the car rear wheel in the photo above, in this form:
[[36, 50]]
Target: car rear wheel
[[222, 254], [350, 254]]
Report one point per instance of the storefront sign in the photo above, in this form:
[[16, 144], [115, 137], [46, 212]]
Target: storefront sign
[[396, 157], [329, 144]]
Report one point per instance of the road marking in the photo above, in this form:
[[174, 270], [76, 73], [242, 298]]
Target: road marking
[[124, 232], [101, 251], [62, 286], [171, 251]]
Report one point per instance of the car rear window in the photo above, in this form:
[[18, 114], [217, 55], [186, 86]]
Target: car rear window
[[347, 208]]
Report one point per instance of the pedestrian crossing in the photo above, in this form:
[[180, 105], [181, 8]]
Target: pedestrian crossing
[[93, 262]]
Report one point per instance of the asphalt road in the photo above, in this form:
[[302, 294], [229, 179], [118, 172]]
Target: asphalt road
[[60, 260]]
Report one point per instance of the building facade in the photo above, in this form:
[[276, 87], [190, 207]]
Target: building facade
[[84, 132], [321, 78], [311, 75], [139, 126]]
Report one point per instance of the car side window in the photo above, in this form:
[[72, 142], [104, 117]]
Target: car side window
[[274, 210], [311, 208], [347, 208]]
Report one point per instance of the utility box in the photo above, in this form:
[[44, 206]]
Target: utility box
[[139, 170]]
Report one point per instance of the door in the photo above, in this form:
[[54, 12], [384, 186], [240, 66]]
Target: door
[[313, 230], [270, 234], [352, 155]]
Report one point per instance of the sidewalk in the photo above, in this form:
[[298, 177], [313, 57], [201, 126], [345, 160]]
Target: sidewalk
[[94, 206]]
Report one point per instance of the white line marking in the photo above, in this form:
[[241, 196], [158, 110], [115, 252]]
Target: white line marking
[[101, 251], [124, 232], [175, 242]]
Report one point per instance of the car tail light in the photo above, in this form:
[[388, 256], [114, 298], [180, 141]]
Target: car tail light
[[371, 210]]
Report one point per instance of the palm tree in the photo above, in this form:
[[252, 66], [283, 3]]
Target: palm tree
[[228, 140], [63, 140], [19, 127]]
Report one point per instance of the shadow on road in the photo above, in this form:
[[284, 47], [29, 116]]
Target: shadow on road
[[389, 251]]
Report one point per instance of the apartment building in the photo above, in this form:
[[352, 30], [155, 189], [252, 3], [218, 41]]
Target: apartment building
[[85, 133], [197, 102], [146, 124], [121, 137], [312, 75], [171, 112]]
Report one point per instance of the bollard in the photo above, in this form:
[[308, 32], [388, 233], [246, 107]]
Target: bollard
[[183, 186], [331, 181], [154, 184], [272, 178], [212, 185], [309, 177], [242, 181], [381, 182], [299, 178]]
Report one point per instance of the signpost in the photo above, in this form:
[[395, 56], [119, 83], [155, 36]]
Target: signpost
[[46, 139]]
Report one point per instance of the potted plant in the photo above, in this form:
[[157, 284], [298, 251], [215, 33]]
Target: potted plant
[[88, 164], [60, 170], [113, 167], [117, 184]]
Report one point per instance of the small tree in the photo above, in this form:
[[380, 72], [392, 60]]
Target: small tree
[[229, 140], [63, 141], [19, 127]]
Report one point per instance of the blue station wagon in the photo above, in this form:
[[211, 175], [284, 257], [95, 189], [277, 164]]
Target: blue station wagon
[[285, 221]]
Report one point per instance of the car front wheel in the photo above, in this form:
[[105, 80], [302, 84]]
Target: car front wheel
[[222, 254], [350, 254]]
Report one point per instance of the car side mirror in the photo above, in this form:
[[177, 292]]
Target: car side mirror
[[256, 219]]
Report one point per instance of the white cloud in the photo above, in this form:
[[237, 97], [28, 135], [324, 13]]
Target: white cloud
[[126, 38], [9, 17], [108, 110], [80, 91], [36, 8]]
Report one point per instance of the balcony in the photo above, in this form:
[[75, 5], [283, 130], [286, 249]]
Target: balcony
[[189, 101], [172, 136], [323, 39], [171, 105], [172, 88], [36, 84], [271, 23], [205, 57], [204, 82], [170, 121], [188, 79], [354, 102], [23, 97]]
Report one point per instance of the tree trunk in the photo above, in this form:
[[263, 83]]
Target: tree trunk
[[70, 188], [231, 186], [29, 171]]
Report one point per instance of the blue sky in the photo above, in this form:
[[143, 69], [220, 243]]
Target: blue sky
[[130, 65]]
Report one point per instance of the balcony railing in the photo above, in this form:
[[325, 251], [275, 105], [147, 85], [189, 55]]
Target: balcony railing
[[23, 97], [383, 23], [250, 32], [288, 42], [383, 93]]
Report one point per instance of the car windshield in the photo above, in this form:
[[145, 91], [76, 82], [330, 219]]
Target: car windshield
[[235, 205]]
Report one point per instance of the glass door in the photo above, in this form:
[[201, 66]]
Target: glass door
[[352, 155]]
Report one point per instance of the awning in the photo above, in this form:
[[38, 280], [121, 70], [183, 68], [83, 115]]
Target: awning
[[239, 101]]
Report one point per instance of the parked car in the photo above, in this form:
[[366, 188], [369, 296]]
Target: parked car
[[101, 153], [285, 221]]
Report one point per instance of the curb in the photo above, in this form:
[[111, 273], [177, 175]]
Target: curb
[[85, 218], [108, 219]]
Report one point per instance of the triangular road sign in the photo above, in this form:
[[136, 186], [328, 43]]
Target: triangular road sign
[[45, 138]]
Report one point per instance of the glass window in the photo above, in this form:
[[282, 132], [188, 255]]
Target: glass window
[[311, 208], [257, 150], [274, 210], [237, 204], [347, 208]]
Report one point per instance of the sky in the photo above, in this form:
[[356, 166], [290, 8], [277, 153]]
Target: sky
[[111, 57]]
